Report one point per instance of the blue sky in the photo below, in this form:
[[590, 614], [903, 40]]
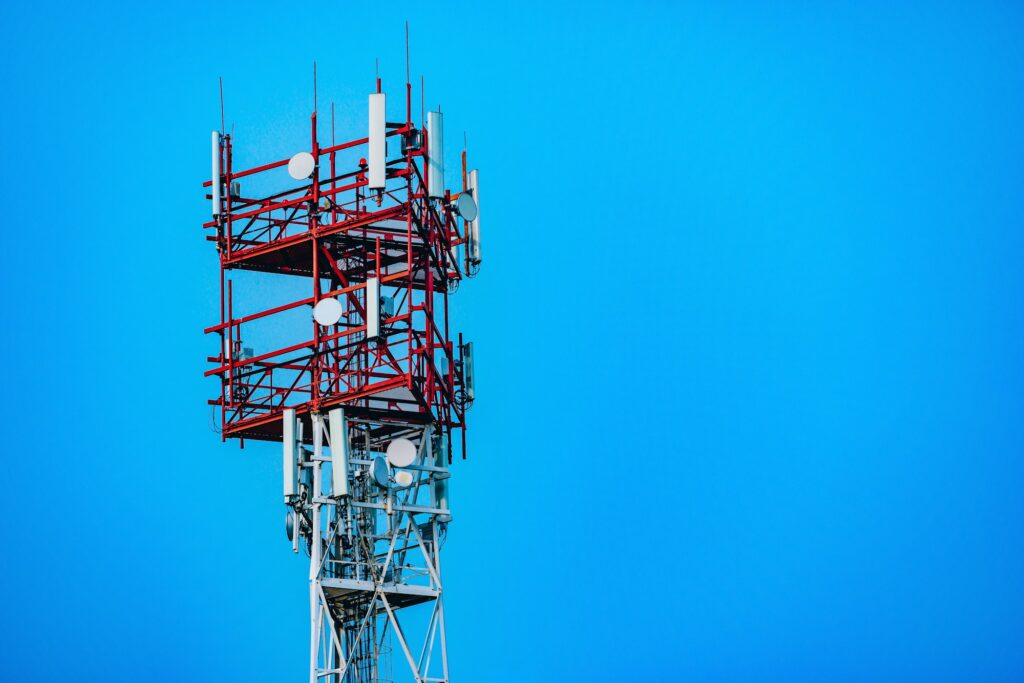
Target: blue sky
[[748, 338]]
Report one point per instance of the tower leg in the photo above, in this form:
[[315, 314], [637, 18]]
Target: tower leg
[[363, 571], [315, 607]]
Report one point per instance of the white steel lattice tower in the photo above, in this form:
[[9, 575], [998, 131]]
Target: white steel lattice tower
[[373, 545]]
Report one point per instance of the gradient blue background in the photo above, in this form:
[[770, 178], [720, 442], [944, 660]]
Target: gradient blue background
[[749, 335]]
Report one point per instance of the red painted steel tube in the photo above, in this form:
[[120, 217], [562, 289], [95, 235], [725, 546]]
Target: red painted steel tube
[[326, 150], [257, 316]]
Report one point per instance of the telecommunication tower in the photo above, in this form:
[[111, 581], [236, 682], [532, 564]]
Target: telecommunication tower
[[370, 393]]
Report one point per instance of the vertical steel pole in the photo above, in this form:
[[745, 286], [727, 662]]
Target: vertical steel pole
[[314, 553], [440, 604]]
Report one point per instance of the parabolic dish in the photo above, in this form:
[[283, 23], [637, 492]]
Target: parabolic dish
[[401, 452], [404, 478], [380, 471], [327, 311], [301, 165], [466, 206]]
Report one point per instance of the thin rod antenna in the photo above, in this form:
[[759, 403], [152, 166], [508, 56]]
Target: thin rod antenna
[[332, 123], [423, 99], [314, 86], [408, 81], [222, 127]]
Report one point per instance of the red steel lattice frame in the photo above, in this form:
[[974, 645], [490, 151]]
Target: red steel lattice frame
[[335, 230]]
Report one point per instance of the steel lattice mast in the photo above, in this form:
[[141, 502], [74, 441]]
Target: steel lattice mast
[[368, 397]]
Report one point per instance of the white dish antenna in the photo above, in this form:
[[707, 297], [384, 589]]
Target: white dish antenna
[[401, 453], [466, 206], [404, 478], [327, 311], [380, 471], [301, 166]]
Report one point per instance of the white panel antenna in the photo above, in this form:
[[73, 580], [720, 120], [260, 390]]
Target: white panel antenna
[[291, 453], [435, 154], [474, 227], [372, 308], [467, 370], [441, 483], [338, 426], [215, 172], [377, 154]]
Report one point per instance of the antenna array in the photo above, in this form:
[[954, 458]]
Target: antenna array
[[369, 398]]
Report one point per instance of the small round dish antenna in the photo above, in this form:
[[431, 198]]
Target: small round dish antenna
[[401, 453], [289, 525], [466, 206], [404, 478], [327, 311], [380, 471], [301, 165]]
